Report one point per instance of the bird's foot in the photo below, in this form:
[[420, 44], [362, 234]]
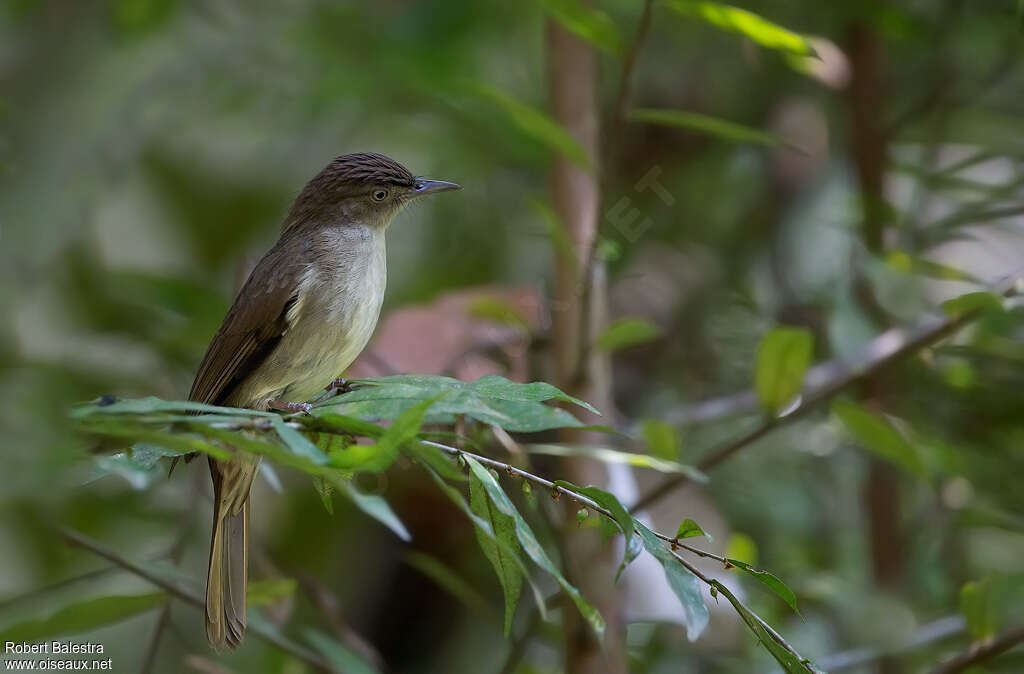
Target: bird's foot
[[340, 385], [283, 406]]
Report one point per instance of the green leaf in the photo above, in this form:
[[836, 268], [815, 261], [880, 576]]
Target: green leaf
[[683, 583], [633, 549], [379, 457], [661, 439], [904, 262], [626, 332], [484, 527], [782, 360], [504, 563], [534, 124], [269, 591], [689, 529], [607, 455], [791, 662], [711, 126], [606, 500], [152, 404], [341, 658], [491, 400], [771, 581], [977, 302], [979, 604], [593, 25], [131, 431], [532, 546], [298, 443], [447, 579], [84, 616], [374, 506], [736, 20], [878, 435], [325, 490]]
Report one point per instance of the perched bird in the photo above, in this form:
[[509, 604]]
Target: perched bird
[[304, 314]]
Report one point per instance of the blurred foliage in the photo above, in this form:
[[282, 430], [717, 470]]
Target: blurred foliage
[[149, 149]]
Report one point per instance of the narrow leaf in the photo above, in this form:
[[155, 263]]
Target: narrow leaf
[[341, 658], [84, 616], [876, 434], [298, 443], [752, 26], [484, 527], [683, 583], [608, 455], [771, 581], [447, 579], [608, 501], [980, 302], [626, 332], [269, 591], [534, 124], [593, 25], [532, 546], [711, 126], [504, 563], [374, 506]]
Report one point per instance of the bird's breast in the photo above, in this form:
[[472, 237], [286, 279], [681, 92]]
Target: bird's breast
[[335, 313]]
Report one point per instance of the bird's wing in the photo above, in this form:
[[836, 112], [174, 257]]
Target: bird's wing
[[251, 330]]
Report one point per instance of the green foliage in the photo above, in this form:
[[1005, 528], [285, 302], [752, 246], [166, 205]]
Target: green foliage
[[269, 591], [705, 124], [589, 23], [683, 583], [498, 549], [491, 400], [748, 24], [341, 657], [969, 303], [661, 439], [688, 529], [790, 661], [782, 360], [534, 124], [626, 332], [532, 547], [374, 506], [881, 437], [606, 455], [979, 603], [771, 581], [84, 616]]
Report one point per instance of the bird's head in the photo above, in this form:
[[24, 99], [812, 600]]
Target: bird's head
[[363, 188]]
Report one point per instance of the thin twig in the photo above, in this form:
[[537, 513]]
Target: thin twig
[[980, 652], [188, 595], [885, 349]]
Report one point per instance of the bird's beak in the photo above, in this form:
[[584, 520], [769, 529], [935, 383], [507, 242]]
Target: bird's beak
[[426, 186]]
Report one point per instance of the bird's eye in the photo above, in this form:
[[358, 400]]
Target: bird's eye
[[380, 195]]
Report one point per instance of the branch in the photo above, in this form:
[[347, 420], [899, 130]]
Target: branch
[[189, 596], [980, 652], [887, 348]]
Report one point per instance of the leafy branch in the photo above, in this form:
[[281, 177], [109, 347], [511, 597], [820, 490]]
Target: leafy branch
[[825, 382], [322, 444]]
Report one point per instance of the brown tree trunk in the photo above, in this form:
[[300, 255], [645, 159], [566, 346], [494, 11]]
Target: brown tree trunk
[[579, 311], [881, 491]]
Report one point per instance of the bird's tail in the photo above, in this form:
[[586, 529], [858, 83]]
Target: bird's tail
[[229, 555]]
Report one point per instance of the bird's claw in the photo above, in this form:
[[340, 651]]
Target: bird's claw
[[293, 408], [340, 385]]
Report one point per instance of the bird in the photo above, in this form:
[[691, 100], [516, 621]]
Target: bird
[[306, 311]]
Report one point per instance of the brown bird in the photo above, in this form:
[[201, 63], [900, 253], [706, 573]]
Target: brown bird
[[304, 314]]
